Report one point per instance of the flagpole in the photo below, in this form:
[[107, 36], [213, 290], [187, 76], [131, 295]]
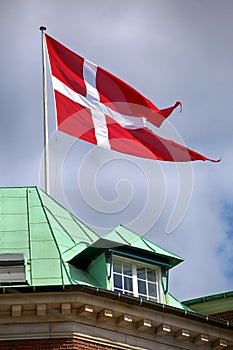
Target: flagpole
[[45, 113]]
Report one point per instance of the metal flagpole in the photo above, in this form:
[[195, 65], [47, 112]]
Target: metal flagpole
[[45, 112]]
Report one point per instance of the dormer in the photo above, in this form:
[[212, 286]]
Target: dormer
[[43, 244], [127, 263]]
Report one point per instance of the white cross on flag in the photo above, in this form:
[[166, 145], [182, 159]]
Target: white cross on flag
[[96, 106]]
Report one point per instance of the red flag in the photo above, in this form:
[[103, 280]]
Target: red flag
[[96, 106]]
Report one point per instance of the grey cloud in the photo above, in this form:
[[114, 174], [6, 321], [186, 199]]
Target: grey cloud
[[168, 50]]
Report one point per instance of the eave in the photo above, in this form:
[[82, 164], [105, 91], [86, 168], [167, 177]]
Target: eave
[[82, 310]]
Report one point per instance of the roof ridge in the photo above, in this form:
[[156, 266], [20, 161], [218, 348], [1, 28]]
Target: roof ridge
[[78, 223], [63, 228], [166, 250], [122, 237], [71, 214]]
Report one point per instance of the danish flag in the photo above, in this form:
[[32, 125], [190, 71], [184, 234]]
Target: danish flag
[[96, 106]]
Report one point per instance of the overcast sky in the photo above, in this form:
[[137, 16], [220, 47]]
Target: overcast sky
[[169, 50]]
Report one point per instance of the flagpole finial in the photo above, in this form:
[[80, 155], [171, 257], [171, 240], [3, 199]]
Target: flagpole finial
[[42, 28]]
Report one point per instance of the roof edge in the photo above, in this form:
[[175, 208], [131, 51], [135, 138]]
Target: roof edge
[[208, 298], [166, 253], [126, 299], [62, 207]]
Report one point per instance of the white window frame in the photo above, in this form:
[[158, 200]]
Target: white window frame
[[135, 264]]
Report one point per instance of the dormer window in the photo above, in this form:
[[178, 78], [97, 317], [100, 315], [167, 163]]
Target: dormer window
[[12, 268], [136, 279]]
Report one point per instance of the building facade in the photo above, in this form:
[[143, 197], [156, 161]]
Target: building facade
[[64, 287]]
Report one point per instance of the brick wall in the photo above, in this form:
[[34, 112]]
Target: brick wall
[[227, 315], [52, 344]]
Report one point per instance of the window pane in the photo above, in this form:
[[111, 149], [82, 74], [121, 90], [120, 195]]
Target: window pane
[[141, 287], [129, 293], [117, 266], [152, 289], [152, 299], [117, 281], [142, 296], [151, 275], [141, 272], [127, 269], [118, 290], [128, 283], [133, 278]]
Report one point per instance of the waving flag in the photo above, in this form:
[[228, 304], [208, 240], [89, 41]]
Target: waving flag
[[96, 106]]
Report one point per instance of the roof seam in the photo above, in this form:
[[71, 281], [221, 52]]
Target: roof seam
[[61, 260], [29, 232], [13, 196], [70, 214], [22, 213], [148, 245], [123, 238], [63, 228], [167, 251], [74, 218], [14, 231], [80, 242]]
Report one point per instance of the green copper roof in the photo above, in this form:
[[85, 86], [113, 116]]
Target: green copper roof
[[49, 236], [172, 301], [125, 242], [125, 237], [212, 304], [58, 248]]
